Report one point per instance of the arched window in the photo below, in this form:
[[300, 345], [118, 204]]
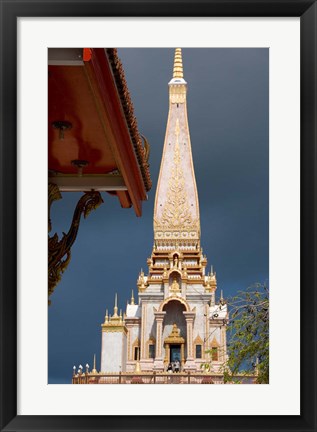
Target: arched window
[[136, 350], [198, 347], [214, 349], [214, 353], [151, 348]]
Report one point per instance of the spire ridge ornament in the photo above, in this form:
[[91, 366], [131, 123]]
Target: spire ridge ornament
[[178, 64]]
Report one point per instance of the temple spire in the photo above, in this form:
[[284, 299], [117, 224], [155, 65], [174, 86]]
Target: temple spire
[[178, 64], [176, 209]]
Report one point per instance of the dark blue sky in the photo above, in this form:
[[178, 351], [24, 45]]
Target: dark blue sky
[[228, 110]]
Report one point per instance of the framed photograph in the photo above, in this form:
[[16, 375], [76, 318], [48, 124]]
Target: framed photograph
[[246, 76]]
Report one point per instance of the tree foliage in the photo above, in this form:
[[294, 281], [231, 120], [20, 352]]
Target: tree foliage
[[248, 334]]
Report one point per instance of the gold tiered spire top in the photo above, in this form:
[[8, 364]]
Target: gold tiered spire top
[[178, 64]]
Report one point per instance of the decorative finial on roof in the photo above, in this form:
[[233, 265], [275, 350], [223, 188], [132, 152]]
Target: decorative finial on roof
[[178, 64], [132, 298], [94, 368], [115, 309], [106, 317]]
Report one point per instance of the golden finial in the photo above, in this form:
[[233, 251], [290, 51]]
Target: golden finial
[[115, 309], [94, 368], [178, 64], [132, 298], [137, 367], [106, 317]]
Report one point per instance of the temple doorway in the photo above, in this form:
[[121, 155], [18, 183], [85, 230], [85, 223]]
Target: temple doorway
[[174, 347], [175, 353]]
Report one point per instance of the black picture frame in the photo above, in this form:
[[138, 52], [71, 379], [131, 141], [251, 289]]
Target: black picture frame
[[10, 11]]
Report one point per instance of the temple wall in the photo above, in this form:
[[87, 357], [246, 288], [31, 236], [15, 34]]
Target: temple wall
[[194, 289], [150, 328], [113, 352], [199, 321]]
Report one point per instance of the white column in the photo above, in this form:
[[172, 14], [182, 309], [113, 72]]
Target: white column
[[206, 338], [189, 317], [158, 362], [143, 329], [224, 343]]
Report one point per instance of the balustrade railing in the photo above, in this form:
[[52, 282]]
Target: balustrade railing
[[147, 378]]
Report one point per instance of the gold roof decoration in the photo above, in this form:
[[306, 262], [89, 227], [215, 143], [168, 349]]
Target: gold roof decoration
[[211, 282], [175, 336], [94, 370], [114, 322], [132, 298], [115, 309], [141, 282], [178, 64]]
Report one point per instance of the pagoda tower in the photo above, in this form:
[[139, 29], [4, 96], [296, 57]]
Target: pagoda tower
[[177, 317], [176, 209]]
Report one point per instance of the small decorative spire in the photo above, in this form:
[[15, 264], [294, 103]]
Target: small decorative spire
[[115, 309], [137, 367], [132, 298], [106, 316], [212, 269], [178, 64], [94, 370]]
